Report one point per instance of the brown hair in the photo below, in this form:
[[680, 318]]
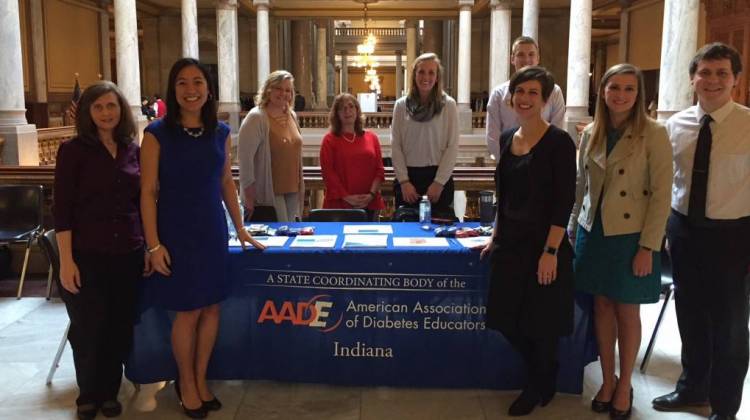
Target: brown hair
[[638, 116], [523, 40], [540, 74], [125, 131], [436, 94], [333, 116]]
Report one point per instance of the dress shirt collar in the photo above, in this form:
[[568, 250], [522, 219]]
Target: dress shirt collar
[[719, 115]]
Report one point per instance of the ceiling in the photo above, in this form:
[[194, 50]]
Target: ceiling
[[353, 8]]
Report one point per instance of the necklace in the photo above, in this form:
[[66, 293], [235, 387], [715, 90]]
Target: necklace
[[349, 139], [193, 132]]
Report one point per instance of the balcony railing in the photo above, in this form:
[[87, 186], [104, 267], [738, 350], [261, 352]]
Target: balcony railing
[[378, 32]]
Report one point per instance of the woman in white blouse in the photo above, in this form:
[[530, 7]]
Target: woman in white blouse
[[424, 139]]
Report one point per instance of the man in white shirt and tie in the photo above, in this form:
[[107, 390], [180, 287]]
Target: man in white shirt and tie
[[708, 233], [500, 115]]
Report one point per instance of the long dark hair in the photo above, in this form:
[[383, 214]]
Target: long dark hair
[[208, 112], [333, 116], [125, 131]]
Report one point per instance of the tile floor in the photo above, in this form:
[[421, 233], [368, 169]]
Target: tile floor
[[30, 330]]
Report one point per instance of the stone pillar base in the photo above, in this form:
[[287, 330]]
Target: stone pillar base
[[233, 109], [21, 146], [574, 116], [465, 125]]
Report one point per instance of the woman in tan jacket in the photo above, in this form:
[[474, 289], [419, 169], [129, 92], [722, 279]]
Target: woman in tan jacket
[[617, 224]]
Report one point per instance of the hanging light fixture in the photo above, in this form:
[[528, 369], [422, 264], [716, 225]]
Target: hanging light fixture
[[365, 54]]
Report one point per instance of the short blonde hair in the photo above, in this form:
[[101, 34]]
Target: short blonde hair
[[274, 79]]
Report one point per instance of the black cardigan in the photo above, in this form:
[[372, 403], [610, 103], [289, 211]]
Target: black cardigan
[[553, 177]]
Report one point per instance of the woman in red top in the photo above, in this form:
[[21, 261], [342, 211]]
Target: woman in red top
[[350, 160]]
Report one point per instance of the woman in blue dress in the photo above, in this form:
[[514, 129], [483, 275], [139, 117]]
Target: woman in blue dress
[[617, 224], [185, 175]]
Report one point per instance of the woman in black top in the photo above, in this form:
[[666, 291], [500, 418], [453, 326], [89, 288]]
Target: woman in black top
[[102, 259], [531, 280]]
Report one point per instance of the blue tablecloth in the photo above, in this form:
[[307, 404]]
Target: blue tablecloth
[[388, 316]]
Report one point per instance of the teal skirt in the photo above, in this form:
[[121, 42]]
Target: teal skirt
[[604, 266]]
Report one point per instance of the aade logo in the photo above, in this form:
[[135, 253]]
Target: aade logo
[[314, 313]]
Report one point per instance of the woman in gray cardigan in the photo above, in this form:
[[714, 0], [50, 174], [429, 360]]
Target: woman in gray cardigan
[[270, 151]]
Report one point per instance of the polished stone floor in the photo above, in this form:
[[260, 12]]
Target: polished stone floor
[[30, 330]]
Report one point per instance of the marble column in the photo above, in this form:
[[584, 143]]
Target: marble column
[[499, 42], [579, 64], [21, 146], [432, 37], [39, 91], [321, 82], [624, 31], [227, 54], [450, 45], [411, 48], [678, 43], [531, 19], [106, 52], [464, 66], [344, 85], [189, 29], [301, 60], [264, 43], [399, 75], [128, 70]]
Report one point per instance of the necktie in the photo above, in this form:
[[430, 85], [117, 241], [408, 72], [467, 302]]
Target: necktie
[[699, 186]]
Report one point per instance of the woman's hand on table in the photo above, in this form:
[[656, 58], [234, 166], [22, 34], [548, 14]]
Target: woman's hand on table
[[160, 260], [70, 277], [243, 236], [547, 269], [409, 193], [642, 262], [486, 249]]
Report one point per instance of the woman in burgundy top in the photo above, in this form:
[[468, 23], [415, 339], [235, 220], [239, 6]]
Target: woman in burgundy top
[[96, 209], [350, 160]]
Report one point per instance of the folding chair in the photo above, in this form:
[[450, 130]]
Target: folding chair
[[667, 289], [48, 242], [21, 218]]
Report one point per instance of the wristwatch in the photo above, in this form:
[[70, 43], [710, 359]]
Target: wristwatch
[[550, 250]]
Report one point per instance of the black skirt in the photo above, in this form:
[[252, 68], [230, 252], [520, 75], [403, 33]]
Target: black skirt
[[517, 304]]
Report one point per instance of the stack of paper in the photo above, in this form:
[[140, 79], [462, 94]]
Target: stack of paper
[[314, 241], [365, 241], [421, 242]]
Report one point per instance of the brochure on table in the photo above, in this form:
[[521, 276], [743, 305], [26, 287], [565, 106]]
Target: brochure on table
[[474, 242], [421, 242], [368, 229], [365, 241], [268, 241], [314, 241]]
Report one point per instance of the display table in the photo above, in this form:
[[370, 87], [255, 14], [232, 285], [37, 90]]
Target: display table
[[350, 316]]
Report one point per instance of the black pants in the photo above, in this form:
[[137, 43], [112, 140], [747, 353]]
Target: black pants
[[101, 321], [421, 178], [710, 269], [540, 358]]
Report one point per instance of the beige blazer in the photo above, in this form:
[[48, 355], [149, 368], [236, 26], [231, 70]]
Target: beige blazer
[[636, 180]]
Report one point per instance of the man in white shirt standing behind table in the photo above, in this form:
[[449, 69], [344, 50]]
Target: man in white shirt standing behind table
[[708, 233], [500, 115]]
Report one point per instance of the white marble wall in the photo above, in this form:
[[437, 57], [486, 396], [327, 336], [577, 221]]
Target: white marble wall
[[679, 42], [531, 19], [499, 42], [189, 29]]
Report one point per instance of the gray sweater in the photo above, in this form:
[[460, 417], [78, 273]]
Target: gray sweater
[[254, 155]]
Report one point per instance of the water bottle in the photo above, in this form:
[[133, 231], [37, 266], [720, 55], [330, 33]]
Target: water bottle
[[425, 212]]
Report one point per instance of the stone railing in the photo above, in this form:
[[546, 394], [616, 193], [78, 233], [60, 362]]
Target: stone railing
[[478, 119], [49, 141], [320, 119], [378, 32]]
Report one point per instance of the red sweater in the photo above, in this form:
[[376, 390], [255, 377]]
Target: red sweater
[[349, 168]]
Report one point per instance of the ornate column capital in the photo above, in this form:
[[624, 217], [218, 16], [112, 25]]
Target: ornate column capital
[[226, 4], [465, 4], [262, 4], [500, 4]]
